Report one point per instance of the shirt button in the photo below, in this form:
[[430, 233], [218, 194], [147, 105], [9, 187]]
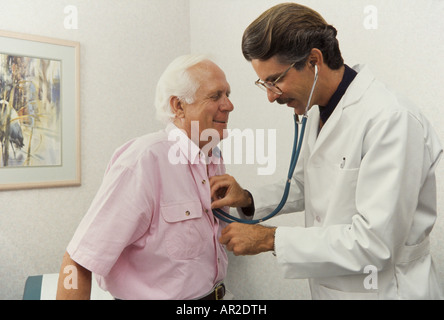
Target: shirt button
[[203, 181], [187, 213], [318, 218], [206, 210]]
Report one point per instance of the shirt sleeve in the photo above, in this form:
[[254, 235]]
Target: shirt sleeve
[[119, 214]]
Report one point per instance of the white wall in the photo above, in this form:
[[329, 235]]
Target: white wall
[[125, 46], [405, 51]]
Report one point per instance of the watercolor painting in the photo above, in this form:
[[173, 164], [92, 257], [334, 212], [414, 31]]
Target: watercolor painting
[[30, 112]]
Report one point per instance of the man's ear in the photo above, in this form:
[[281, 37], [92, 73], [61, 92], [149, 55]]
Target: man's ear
[[315, 58], [176, 107]]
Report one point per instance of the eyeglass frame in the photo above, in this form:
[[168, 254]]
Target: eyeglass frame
[[271, 85]]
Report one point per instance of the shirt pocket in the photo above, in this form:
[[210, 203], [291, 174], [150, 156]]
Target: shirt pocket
[[183, 240]]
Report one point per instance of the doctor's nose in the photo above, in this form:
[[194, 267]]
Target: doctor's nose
[[272, 96]]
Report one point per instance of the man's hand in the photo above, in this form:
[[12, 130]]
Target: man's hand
[[246, 239], [225, 191]]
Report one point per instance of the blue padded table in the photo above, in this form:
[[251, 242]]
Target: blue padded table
[[33, 288], [44, 287]]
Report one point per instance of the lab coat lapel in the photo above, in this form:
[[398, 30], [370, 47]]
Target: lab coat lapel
[[354, 92], [312, 128], [328, 127]]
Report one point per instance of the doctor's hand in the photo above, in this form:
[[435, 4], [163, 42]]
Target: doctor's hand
[[247, 239], [225, 191]]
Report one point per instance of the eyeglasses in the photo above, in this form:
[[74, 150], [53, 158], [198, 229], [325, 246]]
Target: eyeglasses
[[271, 85]]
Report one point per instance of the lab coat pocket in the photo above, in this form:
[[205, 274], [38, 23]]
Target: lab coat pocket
[[325, 293], [183, 240], [412, 271], [342, 205]]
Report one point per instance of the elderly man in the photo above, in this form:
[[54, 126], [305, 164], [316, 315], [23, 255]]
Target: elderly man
[[150, 233]]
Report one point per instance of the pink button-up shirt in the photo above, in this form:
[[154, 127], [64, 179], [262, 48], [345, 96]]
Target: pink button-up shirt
[[150, 232]]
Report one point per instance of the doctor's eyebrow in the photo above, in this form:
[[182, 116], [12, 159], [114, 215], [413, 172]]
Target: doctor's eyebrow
[[272, 77]]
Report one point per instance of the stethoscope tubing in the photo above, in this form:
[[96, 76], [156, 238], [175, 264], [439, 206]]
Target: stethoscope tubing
[[297, 144]]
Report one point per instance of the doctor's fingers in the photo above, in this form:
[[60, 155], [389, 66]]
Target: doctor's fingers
[[228, 232], [221, 186], [236, 238], [219, 203], [231, 241], [229, 198], [245, 239], [237, 245], [235, 248], [223, 180]]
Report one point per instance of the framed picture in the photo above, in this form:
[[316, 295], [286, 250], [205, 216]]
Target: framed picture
[[39, 112]]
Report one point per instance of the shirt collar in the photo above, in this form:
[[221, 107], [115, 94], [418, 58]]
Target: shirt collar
[[189, 150], [349, 75]]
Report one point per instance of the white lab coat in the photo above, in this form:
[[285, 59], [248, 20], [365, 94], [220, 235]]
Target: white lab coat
[[367, 185]]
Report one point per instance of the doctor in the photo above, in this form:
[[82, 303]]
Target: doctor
[[365, 178]]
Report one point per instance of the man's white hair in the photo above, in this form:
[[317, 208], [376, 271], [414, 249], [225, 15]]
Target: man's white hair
[[176, 81]]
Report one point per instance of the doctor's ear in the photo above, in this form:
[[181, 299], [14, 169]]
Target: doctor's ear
[[314, 67], [313, 64], [176, 107], [315, 58]]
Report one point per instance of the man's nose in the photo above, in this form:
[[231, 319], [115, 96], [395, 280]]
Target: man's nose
[[227, 105], [272, 96]]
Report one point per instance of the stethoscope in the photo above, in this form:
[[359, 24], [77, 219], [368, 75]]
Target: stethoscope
[[297, 144]]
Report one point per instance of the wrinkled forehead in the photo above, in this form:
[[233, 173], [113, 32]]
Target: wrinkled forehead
[[208, 75]]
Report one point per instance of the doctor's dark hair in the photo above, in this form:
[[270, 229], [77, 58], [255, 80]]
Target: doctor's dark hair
[[290, 31]]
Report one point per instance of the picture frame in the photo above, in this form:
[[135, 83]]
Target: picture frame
[[39, 112]]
